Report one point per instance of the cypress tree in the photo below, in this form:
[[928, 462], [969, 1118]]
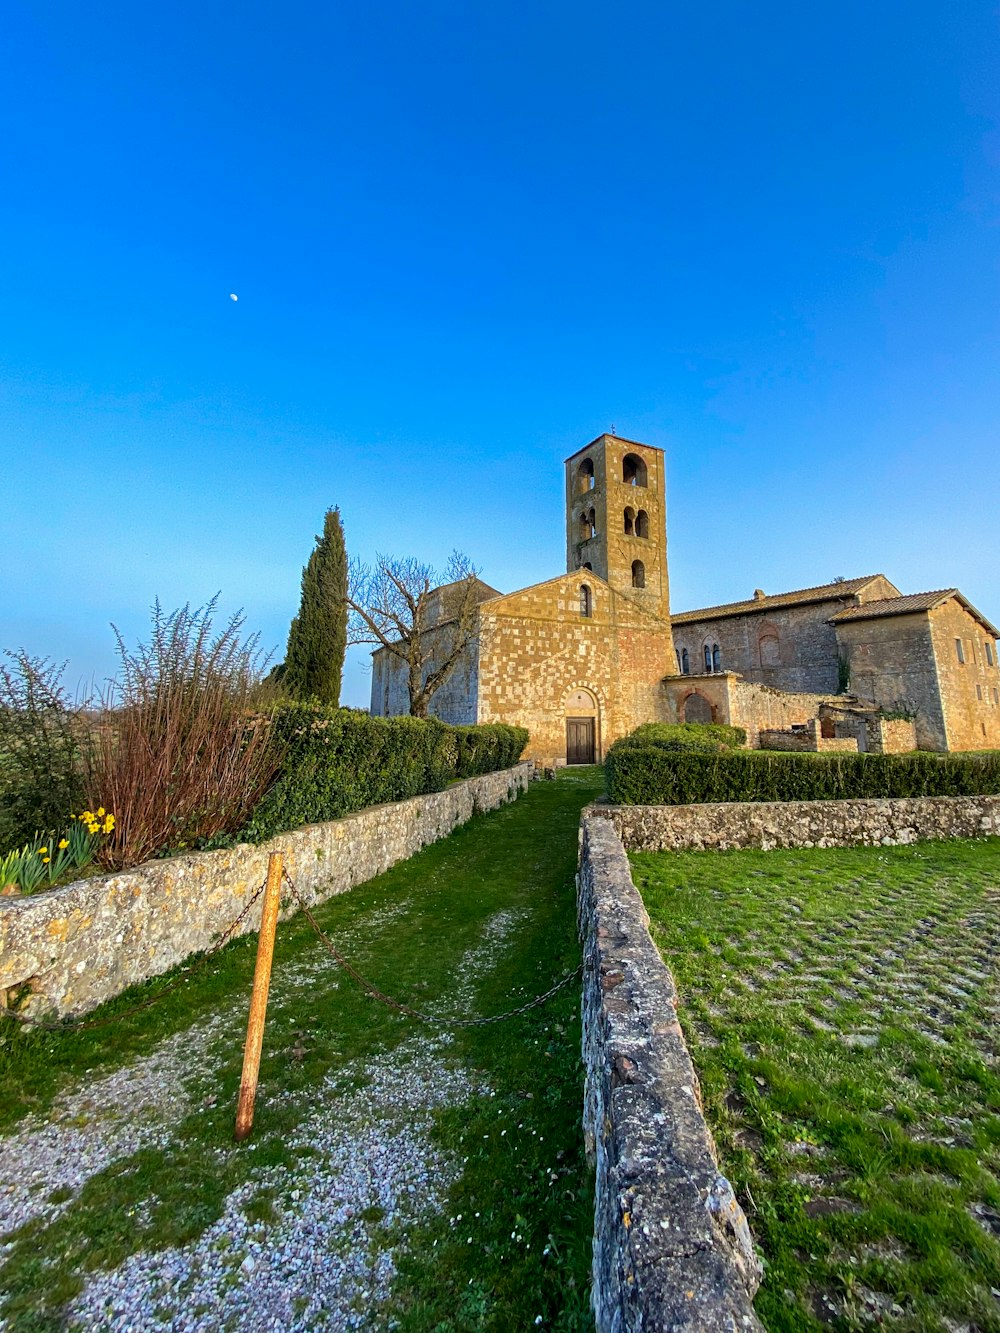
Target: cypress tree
[[317, 640]]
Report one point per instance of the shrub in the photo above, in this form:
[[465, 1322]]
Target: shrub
[[42, 735], [338, 759], [179, 754], [649, 774], [488, 747], [699, 737]]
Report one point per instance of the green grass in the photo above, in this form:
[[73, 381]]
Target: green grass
[[842, 1010], [532, 1181]]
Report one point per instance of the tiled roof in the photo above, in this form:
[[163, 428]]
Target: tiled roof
[[895, 606], [902, 606], [825, 592]]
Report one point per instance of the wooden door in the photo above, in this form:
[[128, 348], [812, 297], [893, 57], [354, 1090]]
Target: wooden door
[[580, 747]]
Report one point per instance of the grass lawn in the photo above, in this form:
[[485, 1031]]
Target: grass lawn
[[842, 1010], [521, 1181]]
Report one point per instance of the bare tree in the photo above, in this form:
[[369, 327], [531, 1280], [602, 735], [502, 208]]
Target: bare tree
[[425, 618]]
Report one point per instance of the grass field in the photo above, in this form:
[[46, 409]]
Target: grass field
[[842, 1009], [521, 1188]]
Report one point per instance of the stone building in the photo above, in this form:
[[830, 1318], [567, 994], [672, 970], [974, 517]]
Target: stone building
[[585, 657]]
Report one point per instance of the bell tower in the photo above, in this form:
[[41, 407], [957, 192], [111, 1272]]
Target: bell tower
[[616, 521]]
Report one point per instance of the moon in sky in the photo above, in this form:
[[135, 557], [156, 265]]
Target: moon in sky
[[233, 296]]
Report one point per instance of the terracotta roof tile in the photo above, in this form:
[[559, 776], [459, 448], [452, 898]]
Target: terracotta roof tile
[[894, 606], [917, 601], [824, 592]]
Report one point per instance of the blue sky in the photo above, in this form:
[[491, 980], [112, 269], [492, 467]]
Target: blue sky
[[466, 239]]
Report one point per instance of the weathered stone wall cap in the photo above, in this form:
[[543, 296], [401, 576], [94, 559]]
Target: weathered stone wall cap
[[869, 822], [672, 1248]]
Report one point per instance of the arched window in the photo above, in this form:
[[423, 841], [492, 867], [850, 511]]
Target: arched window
[[716, 658], [586, 601], [769, 653], [638, 574], [588, 525], [708, 658], [629, 522], [642, 524], [677, 654], [685, 662], [585, 476], [633, 470], [586, 565]]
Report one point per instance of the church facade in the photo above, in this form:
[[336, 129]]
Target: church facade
[[586, 657]]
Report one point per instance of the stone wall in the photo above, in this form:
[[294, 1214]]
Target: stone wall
[[537, 651], [79, 945], [672, 1249], [891, 661], [789, 647], [808, 739], [741, 703], [891, 735], [970, 690], [455, 701], [770, 824]]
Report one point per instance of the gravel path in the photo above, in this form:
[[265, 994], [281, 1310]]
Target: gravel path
[[366, 1171], [323, 1262]]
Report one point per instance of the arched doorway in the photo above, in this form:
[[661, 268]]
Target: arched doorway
[[582, 725], [696, 708]]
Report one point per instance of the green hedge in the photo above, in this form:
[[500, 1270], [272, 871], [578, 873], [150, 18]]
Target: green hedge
[[697, 737], [339, 759], [649, 774]]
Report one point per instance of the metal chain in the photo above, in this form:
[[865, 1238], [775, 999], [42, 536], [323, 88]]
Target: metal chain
[[82, 1024], [376, 994]]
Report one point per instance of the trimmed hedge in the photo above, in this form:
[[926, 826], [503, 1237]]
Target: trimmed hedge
[[339, 759], [649, 774], [698, 737]]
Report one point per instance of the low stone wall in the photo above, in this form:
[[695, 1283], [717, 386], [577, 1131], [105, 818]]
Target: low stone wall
[[672, 1249], [808, 740], [79, 945], [891, 735], [769, 824]]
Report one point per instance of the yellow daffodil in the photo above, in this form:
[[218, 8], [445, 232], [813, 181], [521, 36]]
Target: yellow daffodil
[[64, 843], [42, 851], [100, 813], [46, 859]]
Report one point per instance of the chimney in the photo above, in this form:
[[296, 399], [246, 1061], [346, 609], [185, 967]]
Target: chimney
[[759, 594]]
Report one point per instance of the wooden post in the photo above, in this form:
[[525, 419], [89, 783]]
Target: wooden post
[[258, 1000]]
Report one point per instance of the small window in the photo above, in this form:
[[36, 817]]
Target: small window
[[633, 470], [960, 651], [708, 658], [642, 524], [996, 696], [586, 565], [677, 654], [629, 522], [716, 658], [588, 525], [989, 652], [585, 476], [586, 601], [979, 693], [685, 663], [638, 574]]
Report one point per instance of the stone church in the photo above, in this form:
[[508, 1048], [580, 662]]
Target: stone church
[[586, 657]]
